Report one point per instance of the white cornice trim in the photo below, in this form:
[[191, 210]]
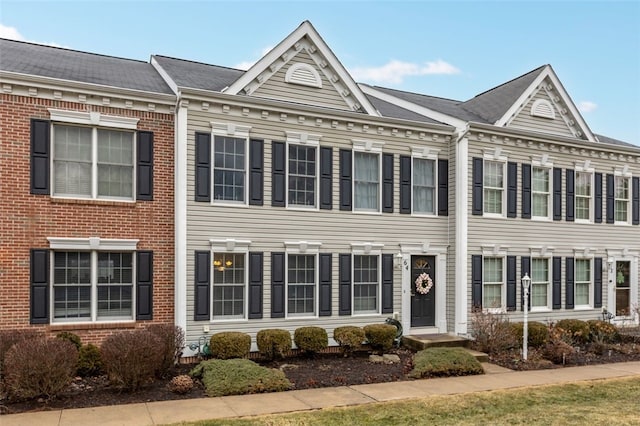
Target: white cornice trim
[[367, 145], [303, 138], [93, 118], [410, 106], [229, 245], [230, 129], [366, 248], [92, 243], [423, 248], [424, 152], [305, 29], [302, 247]]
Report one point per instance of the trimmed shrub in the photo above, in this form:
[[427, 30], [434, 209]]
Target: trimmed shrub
[[578, 330], [181, 384], [311, 339], [492, 333], [380, 336], [602, 332], [89, 361], [8, 338], [171, 343], [444, 362], [349, 338], [131, 358], [238, 377], [230, 344], [40, 367], [273, 343], [538, 333], [73, 338]]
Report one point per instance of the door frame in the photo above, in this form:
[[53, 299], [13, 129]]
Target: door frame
[[624, 255], [440, 253]]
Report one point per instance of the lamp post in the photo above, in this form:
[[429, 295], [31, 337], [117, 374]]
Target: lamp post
[[526, 282]]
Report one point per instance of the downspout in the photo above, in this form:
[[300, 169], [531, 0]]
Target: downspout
[[462, 220]]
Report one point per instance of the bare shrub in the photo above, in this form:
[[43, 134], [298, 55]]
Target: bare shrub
[[492, 333], [131, 359], [171, 344], [8, 338], [559, 347]]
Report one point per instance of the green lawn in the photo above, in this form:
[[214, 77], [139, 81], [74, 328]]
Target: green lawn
[[598, 402]]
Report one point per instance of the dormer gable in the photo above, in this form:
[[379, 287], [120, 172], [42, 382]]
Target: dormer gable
[[303, 69]]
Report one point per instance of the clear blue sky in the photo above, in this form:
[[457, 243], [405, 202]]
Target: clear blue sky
[[451, 49]]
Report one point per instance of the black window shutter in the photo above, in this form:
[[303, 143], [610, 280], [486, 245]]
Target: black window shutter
[[597, 283], [387, 183], [255, 285], [345, 179], [325, 284], [557, 283], [256, 172], [557, 193], [387, 283], [326, 178], [443, 187], [635, 201], [202, 294], [476, 281], [511, 283], [39, 286], [144, 285], [478, 181], [570, 214], [405, 184], [144, 180], [597, 199], [526, 191], [569, 283], [512, 189], [344, 283], [40, 151], [203, 166], [525, 267], [277, 285], [610, 198], [278, 172]]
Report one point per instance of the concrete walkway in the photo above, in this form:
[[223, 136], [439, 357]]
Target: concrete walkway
[[163, 412]]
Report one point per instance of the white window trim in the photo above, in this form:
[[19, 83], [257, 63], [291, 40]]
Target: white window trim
[[503, 288], [369, 147], [93, 245], [625, 175], [546, 255], [549, 167], [235, 246], [303, 139], [591, 197], [584, 254], [498, 156], [93, 118], [366, 249], [425, 153], [238, 131], [316, 277]]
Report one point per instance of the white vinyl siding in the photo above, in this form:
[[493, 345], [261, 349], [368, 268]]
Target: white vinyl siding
[[92, 163], [540, 283], [493, 187], [424, 186], [540, 192], [302, 176], [229, 285], [583, 194], [301, 285], [583, 282], [366, 284], [366, 181], [492, 282], [229, 169], [621, 199]]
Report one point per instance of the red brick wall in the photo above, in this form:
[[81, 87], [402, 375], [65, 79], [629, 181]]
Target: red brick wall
[[27, 220]]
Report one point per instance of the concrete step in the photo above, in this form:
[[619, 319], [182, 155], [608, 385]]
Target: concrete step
[[480, 356], [422, 341]]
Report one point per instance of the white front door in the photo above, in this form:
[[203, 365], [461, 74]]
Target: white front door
[[623, 288]]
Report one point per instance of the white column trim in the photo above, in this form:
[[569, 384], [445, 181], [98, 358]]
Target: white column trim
[[462, 215], [180, 209]]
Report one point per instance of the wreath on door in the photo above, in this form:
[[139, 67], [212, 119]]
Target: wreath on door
[[424, 283]]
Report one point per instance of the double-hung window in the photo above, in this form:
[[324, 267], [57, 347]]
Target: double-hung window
[[229, 168], [493, 184], [302, 185], [366, 284], [540, 191], [93, 155], [424, 186], [92, 282], [493, 279], [366, 181], [229, 285], [583, 282], [301, 285], [621, 199], [583, 194], [540, 283]]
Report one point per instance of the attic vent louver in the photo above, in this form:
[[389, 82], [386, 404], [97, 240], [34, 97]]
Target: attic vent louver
[[543, 108], [303, 74]]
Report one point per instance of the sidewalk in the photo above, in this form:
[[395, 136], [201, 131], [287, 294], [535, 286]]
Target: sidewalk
[[163, 412]]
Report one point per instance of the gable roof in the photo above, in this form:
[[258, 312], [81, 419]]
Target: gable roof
[[387, 109], [612, 141], [71, 65], [331, 66], [196, 75]]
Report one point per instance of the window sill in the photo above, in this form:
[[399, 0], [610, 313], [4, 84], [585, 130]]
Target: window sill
[[537, 310], [370, 212], [228, 320], [583, 308], [93, 202], [622, 224], [541, 219], [302, 208], [219, 203], [92, 326]]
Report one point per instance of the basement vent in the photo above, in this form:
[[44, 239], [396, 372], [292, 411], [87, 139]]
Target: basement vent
[[304, 75], [543, 108]]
